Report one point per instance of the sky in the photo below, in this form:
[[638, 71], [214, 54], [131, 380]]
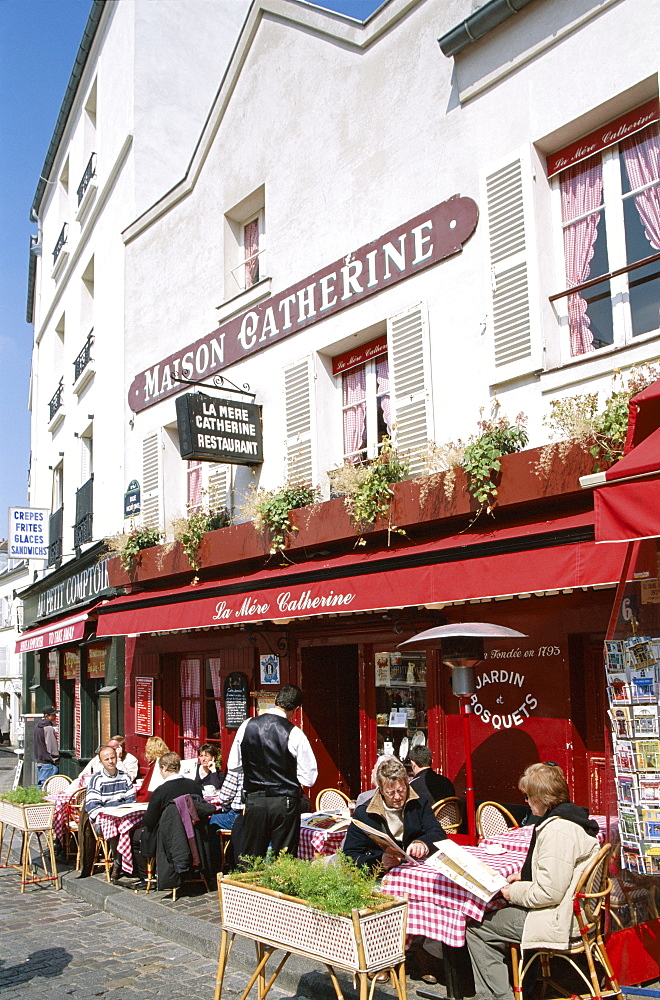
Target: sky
[[39, 40]]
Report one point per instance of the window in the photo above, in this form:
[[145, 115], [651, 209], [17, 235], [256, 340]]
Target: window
[[610, 213], [251, 252], [365, 385], [194, 487]]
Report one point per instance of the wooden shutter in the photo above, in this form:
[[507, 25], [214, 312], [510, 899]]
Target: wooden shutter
[[218, 486], [152, 475], [514, 322], [408, 349], [298, 417]]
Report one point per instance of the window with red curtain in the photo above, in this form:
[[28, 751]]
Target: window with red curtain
[[251, 248], [366, 409], [194, 486], [610, 212]]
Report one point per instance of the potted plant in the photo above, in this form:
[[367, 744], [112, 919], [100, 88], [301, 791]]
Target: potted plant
[[26, 809], [327, 912]]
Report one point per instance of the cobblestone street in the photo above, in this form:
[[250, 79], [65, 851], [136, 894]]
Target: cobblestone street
[[57, 946]]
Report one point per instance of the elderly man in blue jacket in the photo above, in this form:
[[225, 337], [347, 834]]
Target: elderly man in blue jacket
[[395, 809]]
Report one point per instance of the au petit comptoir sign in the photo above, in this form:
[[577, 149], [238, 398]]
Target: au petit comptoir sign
[[219, 430]]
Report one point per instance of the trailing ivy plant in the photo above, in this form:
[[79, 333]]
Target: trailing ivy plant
[[337, 888], [269, 509], [481, 458], [367, 487], [128, 546], [191, 530], [577, 419]]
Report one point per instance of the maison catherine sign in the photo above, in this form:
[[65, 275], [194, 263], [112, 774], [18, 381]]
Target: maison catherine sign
[[412, 247], [219, 430]]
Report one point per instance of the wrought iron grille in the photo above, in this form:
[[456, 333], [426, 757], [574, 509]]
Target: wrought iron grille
[[84, 357], [90, 172], [56, 401], [55, 536], [61, 241], [82, 529]]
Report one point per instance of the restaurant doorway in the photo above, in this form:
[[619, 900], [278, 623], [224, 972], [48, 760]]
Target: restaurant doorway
[[329, 680]]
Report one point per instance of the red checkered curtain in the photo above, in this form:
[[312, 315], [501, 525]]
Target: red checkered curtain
[[581, 201], [76, 726], [190, 706], [56, 702], [354, 389], [641, 155], [216, 681], [194, 486], [383, 390], [251, 245]]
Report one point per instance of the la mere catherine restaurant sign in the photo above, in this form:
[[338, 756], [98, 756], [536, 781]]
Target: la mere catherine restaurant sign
[[219, 430], [412, 247]]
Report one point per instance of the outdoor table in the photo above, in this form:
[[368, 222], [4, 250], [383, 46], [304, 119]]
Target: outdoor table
[[314, 841], [61, 814], [119, 821]]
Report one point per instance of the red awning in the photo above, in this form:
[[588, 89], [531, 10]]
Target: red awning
[[54, 634], [627, 505], [529, 559]]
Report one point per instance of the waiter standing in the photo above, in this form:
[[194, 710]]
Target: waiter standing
[[276, 760]]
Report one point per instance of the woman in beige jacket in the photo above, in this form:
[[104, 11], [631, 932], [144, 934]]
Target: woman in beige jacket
[[541, 894]]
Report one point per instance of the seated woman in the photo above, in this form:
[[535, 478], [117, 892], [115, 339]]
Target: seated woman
[[399, 811], [202, 769], [542, 892], [153, 751]]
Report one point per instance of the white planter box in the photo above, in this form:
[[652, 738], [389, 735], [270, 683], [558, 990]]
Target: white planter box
[[364, 942], [29, 818]]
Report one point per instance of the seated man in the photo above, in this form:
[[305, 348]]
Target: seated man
[[202, 769], [395, 809], [125, 762], [425, 780], [108, 787], [164, 833]]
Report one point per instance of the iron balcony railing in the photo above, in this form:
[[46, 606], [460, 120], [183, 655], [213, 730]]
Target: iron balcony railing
[[56, 401], [84, 357], [90, 172], [61, 242], [82, 529], [55, 537]]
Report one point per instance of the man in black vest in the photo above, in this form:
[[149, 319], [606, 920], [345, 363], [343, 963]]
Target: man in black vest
[[276, 760], [426, 781]]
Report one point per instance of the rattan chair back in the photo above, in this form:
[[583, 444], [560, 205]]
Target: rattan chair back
[[449, 813], [493, 819], [56, 783], [331, 798]]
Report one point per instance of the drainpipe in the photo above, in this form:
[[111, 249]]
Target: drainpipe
[[478, 24]]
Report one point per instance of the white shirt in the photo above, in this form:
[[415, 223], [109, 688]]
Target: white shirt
[[298, 746], [129, 764]]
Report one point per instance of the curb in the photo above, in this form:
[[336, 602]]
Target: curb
[[298, 976]]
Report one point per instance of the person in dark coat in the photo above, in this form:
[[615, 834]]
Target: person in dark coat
[[395, 809], [164, 835], [425, 780]]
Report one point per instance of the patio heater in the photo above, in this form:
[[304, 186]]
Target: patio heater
[[461, 648]]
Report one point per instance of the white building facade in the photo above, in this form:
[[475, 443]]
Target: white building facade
[[324, 156]]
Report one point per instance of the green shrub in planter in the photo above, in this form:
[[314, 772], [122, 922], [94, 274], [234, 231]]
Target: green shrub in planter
[[24, 796]]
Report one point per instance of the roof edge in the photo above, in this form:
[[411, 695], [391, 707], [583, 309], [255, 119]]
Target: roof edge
[[478, 24], [88, 37]]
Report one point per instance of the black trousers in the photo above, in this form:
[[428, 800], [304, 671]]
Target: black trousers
[[270, 819]]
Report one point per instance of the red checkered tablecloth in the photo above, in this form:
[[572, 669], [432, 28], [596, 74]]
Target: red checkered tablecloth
[[121, 827], [61, 813], [314, 841], [437, 907]]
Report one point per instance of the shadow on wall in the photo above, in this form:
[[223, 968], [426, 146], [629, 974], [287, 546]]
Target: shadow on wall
[[498, 763]]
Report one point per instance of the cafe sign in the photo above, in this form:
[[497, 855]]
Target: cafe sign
[[410, 248], [219, 430]]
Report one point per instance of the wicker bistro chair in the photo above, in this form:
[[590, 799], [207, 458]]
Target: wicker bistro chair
[[102, 856], [589, 900], [331, 798], [449, 813], [493, 819], [72, 829], [56, 783]]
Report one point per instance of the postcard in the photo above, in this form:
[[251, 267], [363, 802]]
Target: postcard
[[645, 720]]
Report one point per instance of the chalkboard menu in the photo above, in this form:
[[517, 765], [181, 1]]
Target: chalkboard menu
[[236, 700]]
